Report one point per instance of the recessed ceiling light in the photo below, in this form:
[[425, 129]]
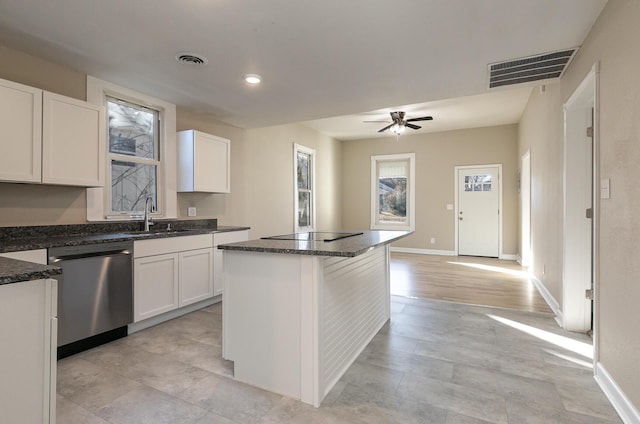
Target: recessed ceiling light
[[191, 59], [253, 79]]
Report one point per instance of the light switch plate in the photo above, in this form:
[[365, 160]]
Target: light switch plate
[[191, 211], [605, 193]]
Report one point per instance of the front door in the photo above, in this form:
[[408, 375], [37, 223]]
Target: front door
[[478, 211]]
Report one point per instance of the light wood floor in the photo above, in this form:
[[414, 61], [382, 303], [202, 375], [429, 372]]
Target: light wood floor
[[465, 279]]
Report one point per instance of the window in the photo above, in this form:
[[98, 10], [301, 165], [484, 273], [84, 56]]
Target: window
[[139, 156], [134, 160], [393, 192], [477, 183], [304, 209]]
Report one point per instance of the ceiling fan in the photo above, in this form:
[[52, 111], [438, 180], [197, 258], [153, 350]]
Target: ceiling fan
[[399, 124]]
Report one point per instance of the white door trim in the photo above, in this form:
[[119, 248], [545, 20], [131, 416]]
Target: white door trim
[[576, 276], [457, 206], [525, 209]]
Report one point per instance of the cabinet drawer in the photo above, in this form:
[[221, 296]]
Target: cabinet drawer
[[162, 246]]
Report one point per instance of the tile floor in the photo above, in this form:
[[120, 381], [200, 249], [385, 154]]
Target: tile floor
[[435, 362]]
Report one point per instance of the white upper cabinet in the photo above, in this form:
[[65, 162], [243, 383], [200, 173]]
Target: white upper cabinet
[[73, 146], [20, 132], [203, 162], [49, 138]]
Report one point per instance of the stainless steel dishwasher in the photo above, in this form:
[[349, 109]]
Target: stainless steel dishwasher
[[95, 294]]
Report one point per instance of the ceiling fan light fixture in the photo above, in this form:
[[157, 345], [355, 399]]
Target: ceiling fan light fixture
[[397, 128], [252, 79]]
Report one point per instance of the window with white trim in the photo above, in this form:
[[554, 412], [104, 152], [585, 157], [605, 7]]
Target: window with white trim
[[140, 154], [133, 155], [393, 192], [304, 160]]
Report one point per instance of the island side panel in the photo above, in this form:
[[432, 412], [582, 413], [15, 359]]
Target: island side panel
[[355, 299], [262, 319]]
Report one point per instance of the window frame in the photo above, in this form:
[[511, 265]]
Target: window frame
[[98, 198], [298, 148], [375, 201], [155, 161]]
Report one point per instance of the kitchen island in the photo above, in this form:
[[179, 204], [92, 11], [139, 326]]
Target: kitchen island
[[299, 309]]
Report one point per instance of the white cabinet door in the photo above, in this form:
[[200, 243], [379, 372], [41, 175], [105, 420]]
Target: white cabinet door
[[196, 276], [20, 132], [28, 355], [72, 142], [155, 285], [203, 163], [218, 259]]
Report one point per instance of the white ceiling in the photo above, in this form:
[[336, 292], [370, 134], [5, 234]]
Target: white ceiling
[[352, 60]]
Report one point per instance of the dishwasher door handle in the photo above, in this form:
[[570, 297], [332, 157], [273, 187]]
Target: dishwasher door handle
[[66, 257]]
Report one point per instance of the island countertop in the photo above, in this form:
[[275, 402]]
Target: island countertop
[[345, 247], [16, 271]]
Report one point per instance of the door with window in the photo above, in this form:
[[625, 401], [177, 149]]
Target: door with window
[[478, 219]]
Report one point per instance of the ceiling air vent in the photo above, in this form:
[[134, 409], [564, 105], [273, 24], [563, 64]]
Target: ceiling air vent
[[191, 59], [530, 69]]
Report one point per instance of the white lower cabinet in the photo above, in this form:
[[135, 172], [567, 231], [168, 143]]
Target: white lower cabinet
[[218, 262], [170, 273], [196, 276], [28, 325], [155, 285]]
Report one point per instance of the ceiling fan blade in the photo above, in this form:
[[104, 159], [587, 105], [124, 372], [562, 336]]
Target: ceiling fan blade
[[386, 128], [412, 126], [424, 118]]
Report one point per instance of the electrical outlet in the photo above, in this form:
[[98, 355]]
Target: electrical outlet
[[191, 211], [433, 240]]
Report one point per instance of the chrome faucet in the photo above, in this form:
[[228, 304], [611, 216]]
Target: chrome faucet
[[148, 205]]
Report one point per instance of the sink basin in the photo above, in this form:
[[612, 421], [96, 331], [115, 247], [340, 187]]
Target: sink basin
[[155, 232]]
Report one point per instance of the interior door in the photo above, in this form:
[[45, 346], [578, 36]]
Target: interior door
[[478, 211]]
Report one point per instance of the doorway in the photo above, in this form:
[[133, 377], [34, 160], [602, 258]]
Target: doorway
[[478, 204], [579, 209]]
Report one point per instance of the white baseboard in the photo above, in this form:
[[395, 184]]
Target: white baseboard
[[548, 297], [519, 259], [423, 251], [150, 322], [616, 396], [509, 257]]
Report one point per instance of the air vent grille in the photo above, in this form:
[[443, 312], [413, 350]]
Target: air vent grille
[[191, 59], [529, 69]]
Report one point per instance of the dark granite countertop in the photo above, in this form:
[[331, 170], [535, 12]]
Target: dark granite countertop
[[15, 271], [14, 239], [346, 247], [77, 235]]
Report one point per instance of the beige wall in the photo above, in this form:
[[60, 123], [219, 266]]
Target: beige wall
[[269, 172], [262, 177], [261, 166], [27, 204], [613, 43], [540, 132], [436, 156], [229, 209]]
